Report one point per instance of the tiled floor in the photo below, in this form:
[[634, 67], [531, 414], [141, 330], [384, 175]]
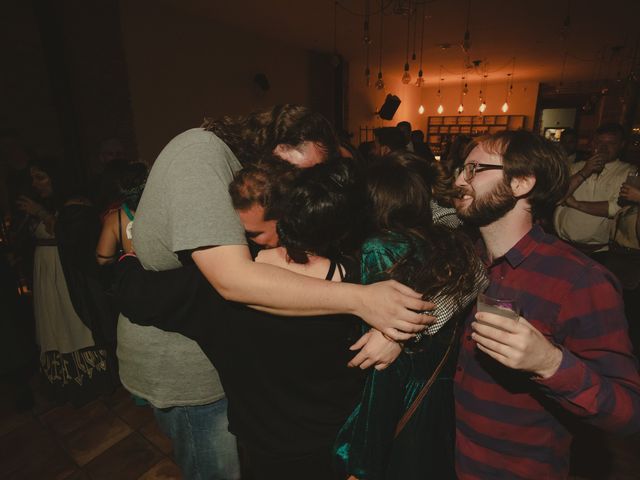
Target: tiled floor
[[113, 439], [110, 438]]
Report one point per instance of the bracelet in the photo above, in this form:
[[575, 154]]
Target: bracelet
[[584, 177], [130, 254]]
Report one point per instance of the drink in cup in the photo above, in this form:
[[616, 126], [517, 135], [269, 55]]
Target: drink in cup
[[500, 306], [634, 181]]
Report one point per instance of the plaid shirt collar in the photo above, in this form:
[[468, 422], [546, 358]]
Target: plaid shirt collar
[[518, 253]]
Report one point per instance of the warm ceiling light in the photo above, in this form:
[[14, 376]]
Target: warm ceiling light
[[460, 108], [505, 107], [379, 82], [440, 109], [406, 76], [421, 110], [482, 107]]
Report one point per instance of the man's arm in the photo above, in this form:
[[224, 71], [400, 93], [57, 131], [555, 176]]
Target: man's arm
[[387, 306], [593, 374], [593, 165], [597, 209]]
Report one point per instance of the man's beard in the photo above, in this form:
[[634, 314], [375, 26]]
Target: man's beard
[[490, 207]]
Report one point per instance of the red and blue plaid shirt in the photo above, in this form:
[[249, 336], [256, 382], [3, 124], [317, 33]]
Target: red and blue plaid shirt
[[510, 425]]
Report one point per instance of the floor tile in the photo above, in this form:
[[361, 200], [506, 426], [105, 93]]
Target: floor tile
[[127, 460], [118, 396], [66, 419], [10, 419], [93, 438], [32, 452], [164, 470], [133, 415], [152, 432]]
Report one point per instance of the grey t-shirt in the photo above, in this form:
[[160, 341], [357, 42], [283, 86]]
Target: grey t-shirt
[[185, 205]]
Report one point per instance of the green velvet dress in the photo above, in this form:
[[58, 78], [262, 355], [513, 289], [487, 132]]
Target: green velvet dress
[[365, 446]]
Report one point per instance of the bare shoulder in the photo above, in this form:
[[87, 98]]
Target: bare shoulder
[[273, 256], [317, 267]]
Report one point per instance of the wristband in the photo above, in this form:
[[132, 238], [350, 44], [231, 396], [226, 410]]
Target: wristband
[[584, 177], [130, 254]]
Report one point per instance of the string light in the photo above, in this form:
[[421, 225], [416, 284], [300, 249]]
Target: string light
[[380, 82], [406, 76]]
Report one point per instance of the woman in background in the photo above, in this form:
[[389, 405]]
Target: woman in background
[[74, 367]]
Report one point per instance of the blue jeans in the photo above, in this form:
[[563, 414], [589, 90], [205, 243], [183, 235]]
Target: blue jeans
[[203, 447]]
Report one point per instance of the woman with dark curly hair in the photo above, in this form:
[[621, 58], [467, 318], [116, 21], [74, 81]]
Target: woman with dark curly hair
[[404, 424]]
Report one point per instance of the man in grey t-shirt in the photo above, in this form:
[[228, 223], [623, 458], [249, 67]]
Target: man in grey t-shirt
[[186, 209], [185, 206]]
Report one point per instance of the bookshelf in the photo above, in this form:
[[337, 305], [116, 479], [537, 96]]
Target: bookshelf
[[444, 128]]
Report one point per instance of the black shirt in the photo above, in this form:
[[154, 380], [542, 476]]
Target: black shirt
[[286, 378]]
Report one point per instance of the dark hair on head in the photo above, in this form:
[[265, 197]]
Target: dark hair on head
[[612, 128], [526, 154], [400, 187], [391, 137], [131, 183], [456, 153], [323, 212], [253, 136], [265, 184], [399, 190]]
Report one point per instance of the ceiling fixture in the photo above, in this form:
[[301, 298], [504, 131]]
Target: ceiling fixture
[[420, 80], [440, 108], [380, 82], [505, 105], [415, 32], [466, 42], [483, 86], [463, 92], [406, 76], [366, 38]]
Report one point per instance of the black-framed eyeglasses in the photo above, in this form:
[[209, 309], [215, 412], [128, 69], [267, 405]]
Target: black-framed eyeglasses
[[469, 170]]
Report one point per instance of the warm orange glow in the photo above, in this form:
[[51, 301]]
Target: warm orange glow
[[483, 107], [440, 109], [505, 107], [421, 110], [460, 108]]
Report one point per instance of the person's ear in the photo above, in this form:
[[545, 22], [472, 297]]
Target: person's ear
[[522, 186]]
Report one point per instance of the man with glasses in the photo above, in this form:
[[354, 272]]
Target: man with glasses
[[567, 358]]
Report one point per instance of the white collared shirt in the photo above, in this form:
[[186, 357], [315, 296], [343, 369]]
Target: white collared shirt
[[577, 226]]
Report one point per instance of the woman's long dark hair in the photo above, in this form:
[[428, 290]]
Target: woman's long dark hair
[[324, 213], [400, 188]]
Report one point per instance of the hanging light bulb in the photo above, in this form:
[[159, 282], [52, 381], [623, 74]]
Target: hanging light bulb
[[505, 107], [465, 90], [379, 82], [421, 109], [460, 108], [483, 106], [420, 79], [406, 76], [440, 109]]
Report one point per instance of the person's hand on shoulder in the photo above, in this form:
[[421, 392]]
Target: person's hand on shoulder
[[394, 309]]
